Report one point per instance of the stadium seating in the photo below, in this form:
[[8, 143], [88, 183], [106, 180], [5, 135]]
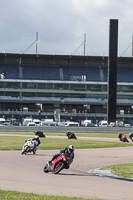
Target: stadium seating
[[75, 73], [125, 74], [41, 72], [92, 73], [10, 71]]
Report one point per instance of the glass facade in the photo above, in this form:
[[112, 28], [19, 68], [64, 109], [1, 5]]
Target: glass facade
[[23, 91], [60, 89]]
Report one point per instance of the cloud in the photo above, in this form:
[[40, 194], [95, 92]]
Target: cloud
[[61, 25]]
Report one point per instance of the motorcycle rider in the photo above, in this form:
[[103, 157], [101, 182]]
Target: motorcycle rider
[[122, 137], [39, 133], [69, 152], [70, 134], [131, 136], [36, 142]]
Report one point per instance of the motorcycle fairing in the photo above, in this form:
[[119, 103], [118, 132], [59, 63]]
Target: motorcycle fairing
[[59, 158]]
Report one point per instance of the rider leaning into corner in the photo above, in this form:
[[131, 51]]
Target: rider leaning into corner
[[36, 143], [122, 137], [69, 152]]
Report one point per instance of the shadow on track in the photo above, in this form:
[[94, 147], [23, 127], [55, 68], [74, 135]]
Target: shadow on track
[[37, 154], [76, 173]]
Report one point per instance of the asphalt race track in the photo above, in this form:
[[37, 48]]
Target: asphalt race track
[[24, 173]]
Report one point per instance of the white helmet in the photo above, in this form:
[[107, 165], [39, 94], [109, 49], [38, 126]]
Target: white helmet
[[71, 148], [36, 137]]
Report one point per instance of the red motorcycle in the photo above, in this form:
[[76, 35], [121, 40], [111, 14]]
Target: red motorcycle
[[122, 137], [60, 163]]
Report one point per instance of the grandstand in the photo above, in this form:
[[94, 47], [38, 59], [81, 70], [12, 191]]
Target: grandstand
[[64, 83]]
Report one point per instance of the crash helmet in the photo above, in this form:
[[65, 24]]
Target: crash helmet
[[123, 137], [130, 134], [120, 134], [71, 148], [37, 137]]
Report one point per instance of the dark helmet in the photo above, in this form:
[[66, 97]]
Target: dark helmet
[[71, 148], [120, 135], [131, 136]]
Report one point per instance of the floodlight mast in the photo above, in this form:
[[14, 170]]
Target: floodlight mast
[[32, 44], [132, 47], [36, 42], [3, 51], [84, 43], [128, 48]]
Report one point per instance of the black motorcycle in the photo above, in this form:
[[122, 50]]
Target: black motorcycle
[[131, 136], [71, 135], [39, 133]]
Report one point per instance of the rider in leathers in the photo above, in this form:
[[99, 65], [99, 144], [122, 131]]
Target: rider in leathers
[[36, 143], [69, 152]]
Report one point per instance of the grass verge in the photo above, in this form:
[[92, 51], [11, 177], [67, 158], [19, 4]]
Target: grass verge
[[12, 195], [16, 143], [123, 170], [63, 134]]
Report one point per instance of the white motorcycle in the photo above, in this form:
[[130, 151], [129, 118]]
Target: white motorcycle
[[29, 146]]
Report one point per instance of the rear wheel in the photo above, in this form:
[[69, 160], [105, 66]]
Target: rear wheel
[[58, 167], [34, 151]]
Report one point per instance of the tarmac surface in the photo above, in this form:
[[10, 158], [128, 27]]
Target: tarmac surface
[[24, 173]]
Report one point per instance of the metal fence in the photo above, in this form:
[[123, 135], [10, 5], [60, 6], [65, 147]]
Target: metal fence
[[57, 129]]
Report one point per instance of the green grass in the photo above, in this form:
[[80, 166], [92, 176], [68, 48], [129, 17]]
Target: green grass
[[16, 143], [63, 134], [12, 195], [123, 170], [78, 144]]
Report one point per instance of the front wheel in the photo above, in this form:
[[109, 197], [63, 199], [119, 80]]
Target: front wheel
[[24, 151], [58, 167], [45, 169]]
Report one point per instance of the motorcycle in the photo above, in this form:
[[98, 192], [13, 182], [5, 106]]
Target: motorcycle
[[29, 146], [131, 136], [122, 137], [60, 163], [71, 135], [39, 133]]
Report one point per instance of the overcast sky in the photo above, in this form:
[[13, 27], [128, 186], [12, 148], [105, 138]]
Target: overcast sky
[[61, 25]]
